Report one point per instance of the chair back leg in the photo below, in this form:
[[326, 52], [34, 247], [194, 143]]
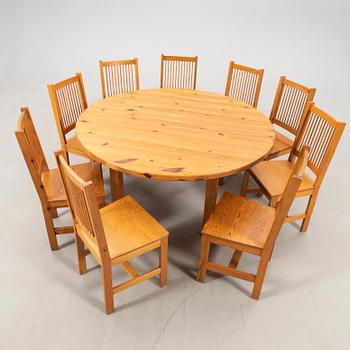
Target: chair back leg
[[80, 254], [235, 259], [203, 259], [310, 207], [51, 234]]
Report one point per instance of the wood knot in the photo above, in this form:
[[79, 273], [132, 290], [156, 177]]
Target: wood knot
[[173, 170], [123, 161]]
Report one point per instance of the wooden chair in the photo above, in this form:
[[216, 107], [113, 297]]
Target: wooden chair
[[47, 181], [319, 131], [177, 72], [68, 101], [247, 226], [244, 83], [118, 77], [289, 106], [114, 234]]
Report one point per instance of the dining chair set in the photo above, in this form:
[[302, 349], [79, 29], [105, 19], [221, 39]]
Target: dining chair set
[[122, 230]]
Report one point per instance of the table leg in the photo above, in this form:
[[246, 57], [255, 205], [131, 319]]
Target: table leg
[[117, 184], [210, 198]]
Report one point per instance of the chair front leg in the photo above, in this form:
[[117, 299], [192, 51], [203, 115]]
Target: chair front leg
[[203, 259], [54, 212], [259, 279], [108, 287], [163, 261]]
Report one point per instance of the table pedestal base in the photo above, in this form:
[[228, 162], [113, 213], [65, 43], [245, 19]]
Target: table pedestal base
[[117, 184], [210, 198], [117, 189]]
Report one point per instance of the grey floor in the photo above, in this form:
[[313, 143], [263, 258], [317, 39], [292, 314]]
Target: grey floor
[[46, 304]]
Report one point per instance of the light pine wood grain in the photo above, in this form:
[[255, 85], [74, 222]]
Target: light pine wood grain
[[288, 112], [321, 133], [118, 77], [48, 182], [248, 227], [170, 134], [244, 83], [114, 234], [178, 72], [68, 101]]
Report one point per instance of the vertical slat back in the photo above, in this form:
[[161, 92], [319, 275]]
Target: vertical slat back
[[290, 104], [178, 72], [321, 133], [68, 101], [288, 195], [118, 77], [26, 126], [83, 204], [244, 83], [32, 152]]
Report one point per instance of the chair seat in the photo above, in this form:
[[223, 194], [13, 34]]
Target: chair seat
[[273, 176], [241, 220], [128, 226], [73, 145], [282, 145], [54, 187]]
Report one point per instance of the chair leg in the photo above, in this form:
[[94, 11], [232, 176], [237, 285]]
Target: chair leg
[[245, 182], [163, 262], [54, 212], [272, 249], [273, 202], [309, 210], [235, 259], [80, 254], [203, 259], [221, 181], [65, 154], [107, 288], [50, 229], [264, 260], [101, 203]]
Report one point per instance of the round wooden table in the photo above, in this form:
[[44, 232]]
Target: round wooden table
[[179, 135]]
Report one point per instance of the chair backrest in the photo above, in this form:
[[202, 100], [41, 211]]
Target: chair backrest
[[244, 83], [321, 133], [32, 152], [83, 204], [289, 105], [178, 72], [118, 77], [68, 101], [288, 195]]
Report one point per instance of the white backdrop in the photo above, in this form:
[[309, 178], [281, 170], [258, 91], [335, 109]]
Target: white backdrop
[[44, 42]]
